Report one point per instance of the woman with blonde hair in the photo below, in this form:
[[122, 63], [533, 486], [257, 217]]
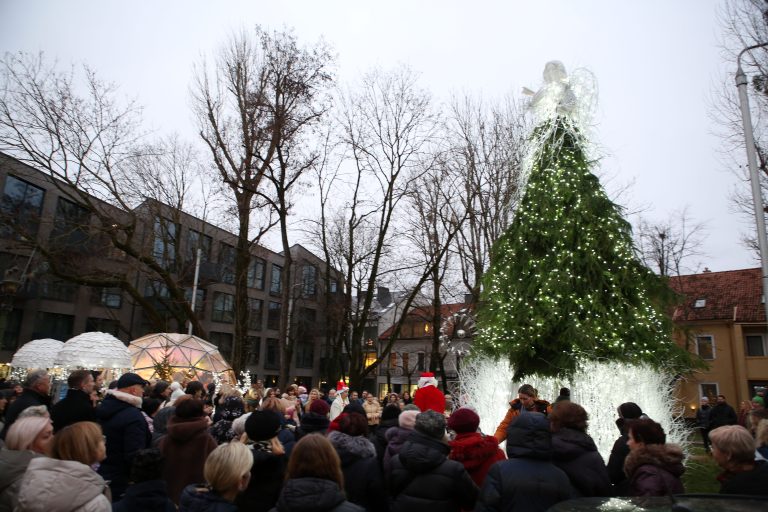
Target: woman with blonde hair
[[227, 473], [313, 480], [68, 481], [33, 433], [734, 450], [314, 394]]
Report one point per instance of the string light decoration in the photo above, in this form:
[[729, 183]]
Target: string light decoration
[[564, 285]]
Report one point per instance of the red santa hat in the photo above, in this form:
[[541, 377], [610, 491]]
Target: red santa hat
[[427, 379], [341, 387]]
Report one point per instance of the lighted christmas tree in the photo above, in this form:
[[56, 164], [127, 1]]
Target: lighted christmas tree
[[565, 285]]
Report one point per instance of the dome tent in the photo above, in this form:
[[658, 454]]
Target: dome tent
[[181, 352], [94, 350], [37, 354]]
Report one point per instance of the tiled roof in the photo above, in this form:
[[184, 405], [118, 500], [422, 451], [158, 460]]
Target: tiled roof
[[733, 295], [425, 313]]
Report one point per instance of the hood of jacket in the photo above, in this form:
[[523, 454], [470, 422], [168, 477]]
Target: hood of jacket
[[149, 495], [50, 482], [351, 448], [568, 444], [529, 437], [13, 464], [309, 494], [115, 402], [183, 430], [199, 498], [421, 454], [668, 457], [473, 449], [397, 435]]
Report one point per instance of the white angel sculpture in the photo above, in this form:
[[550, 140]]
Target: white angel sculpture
[[571, 96]]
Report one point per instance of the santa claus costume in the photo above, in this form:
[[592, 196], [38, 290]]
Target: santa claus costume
[[428, 396]]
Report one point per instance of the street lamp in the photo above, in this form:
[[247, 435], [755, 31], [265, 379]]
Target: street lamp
[[754, 178]]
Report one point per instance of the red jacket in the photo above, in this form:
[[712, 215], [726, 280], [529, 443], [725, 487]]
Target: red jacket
[[477, 453]]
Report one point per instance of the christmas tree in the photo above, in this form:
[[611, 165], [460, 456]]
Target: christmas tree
[[564, 284]]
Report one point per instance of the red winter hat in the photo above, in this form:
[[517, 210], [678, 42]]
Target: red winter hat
[[319, 406], [464, 420]]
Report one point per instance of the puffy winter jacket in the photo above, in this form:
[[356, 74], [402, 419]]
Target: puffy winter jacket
[[13, 465], [655, 470], [396, 438], [62, 485], [363, 481], [313, 495], [149, 496], [477, 453], [423, 478], [575, 453]]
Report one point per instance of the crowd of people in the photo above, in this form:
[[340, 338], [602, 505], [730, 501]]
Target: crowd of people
[[166, 446]]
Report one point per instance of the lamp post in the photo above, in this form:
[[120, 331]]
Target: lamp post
[[754, 178]]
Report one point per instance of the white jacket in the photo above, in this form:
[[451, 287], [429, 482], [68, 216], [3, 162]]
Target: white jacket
[[52, 485], [337, 407]]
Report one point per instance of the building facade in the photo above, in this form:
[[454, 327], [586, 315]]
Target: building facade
[[53, 229]]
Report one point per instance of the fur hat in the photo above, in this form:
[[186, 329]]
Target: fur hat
[[407, 419], [430, 423], [262, 425], [427, 379], [464, 420], [319, 406]]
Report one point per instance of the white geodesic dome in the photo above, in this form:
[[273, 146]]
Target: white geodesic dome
[[185, 353], [94, 350], [37, 354]]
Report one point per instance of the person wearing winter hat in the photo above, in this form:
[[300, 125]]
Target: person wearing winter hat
[[269, 461], [476, 452], [422, 477], [564, 396], [527, 401], [176, 392], [527, 480], [363, 482], [389, 420], [626, 411], [398, 435], [186, 446], [427, 396], [315, 420], [341, 400]]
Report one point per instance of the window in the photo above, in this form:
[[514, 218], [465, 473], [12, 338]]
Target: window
[[256, 271], [156, 289], [700, 303], [421, 362], [108, 297], [56, 289], [307, 320], [53, 325], [273, 315], [222, 340], [102, 325], [199, 299], [308, 281], [227, 263], [70, 226], [334, 286], [705, 347], [405, 356], [164, 248], [755, 345], [255, 314], [276, 281], [272, 359], [223, 307], [254, 350], [305, 355], [197, 241], [393, 360], [709, 390], [10, 335], [20, 208]]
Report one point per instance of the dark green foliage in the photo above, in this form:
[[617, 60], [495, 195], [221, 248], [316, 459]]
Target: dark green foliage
[[564, 283]]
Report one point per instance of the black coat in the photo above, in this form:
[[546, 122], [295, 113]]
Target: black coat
[[720, 415], [363, 480], [27, 398], [423, 478], [149, 496], [528, 481], [313, 495], [619, 453], [378, 436], [199, 498], [76, 406], [126, 432], [575, 453], [754, 483], [267, 476]]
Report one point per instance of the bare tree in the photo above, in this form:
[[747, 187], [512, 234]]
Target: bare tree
[[73, 127], [487, 149], [252, 111], [667, 247]]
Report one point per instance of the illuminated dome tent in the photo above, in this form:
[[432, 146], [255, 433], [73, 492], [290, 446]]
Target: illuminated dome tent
[[37, 354], [183, 353], [94, 351]]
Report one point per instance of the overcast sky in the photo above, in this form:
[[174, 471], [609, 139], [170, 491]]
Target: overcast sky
[[657, 62]]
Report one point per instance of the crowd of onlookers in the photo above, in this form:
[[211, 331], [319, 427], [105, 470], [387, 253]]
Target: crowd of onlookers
[[164, 446]]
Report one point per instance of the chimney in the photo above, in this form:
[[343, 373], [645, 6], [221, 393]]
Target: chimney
[[468, 298], [383, 295]]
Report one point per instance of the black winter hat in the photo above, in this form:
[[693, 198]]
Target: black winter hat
[[262, 425], [630, 411], [391, 411], [431, 423]]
